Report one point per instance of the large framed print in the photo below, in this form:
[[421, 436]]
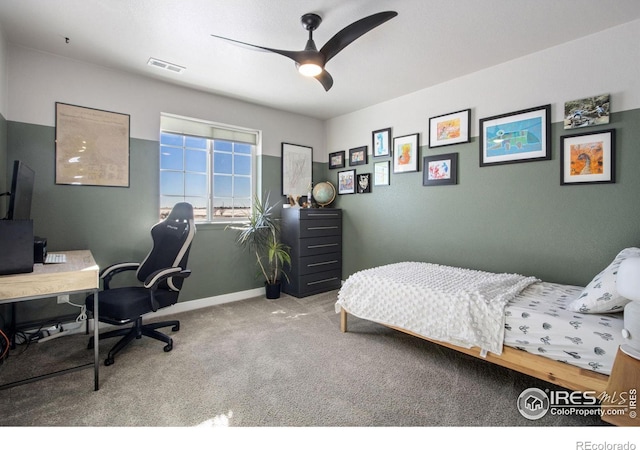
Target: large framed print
[[449, 129], [520, 136], [92, 146], [297, 169], [588, 158], [406, 151]]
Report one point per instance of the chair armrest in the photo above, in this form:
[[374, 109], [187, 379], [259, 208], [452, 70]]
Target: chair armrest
[[108, 272], [155, 278]]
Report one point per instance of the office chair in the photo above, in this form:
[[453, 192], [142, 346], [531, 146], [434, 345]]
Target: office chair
[[161, 273]]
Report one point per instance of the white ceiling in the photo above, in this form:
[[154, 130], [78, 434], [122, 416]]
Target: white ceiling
[[429, 42]]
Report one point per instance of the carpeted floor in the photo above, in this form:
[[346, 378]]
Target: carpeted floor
[[270, 363]]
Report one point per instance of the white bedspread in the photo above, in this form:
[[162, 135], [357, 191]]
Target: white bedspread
[[461, 306]]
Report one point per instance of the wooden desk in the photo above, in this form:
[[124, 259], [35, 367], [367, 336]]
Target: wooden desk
[[79, 274]]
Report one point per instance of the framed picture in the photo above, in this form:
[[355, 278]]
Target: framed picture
[[440, 169], [364, 183], [336, 160], [381, 171], [92, 146], [406, 151], [520, 136], [381, 142], [587, 112], [449, 129], [588, 158], [347, 182], [297, 169], [358, 156]]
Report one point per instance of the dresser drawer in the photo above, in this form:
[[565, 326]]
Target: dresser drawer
[[320, 245], [320, 282], [319, 263], [320, 227], [320, 213]]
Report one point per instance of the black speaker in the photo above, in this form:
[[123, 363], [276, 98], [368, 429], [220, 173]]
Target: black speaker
[[16, 242]]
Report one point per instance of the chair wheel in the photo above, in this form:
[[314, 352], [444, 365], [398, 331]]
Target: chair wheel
[[108, 361], [168, 347], [176, 328]]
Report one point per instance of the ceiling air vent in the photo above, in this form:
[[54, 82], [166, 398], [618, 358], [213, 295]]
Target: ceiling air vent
[[165, 65]]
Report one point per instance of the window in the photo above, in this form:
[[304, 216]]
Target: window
[[209, 166]]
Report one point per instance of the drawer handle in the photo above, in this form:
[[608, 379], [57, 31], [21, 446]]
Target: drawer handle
[[322, 228], [322, 263], [321, 245], [321, 281], [322, 215]]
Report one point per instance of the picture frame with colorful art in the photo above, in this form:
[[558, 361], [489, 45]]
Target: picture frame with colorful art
[[381, 171], [516, 137], [358, 156], [406, 152], [347, 182], [440, 170], [588, 158], [381, 143], [449, 129], [336, 160]]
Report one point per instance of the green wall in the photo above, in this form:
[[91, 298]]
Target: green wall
[[114, 222], [507, 218]]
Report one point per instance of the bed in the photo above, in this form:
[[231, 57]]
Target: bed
[[563, 334]]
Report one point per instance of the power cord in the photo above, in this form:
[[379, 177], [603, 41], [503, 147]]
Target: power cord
[[4, 347]]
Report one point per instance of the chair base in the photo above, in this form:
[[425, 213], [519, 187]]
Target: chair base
[[136, 332]]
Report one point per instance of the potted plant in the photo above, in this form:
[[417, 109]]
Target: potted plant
[[261, 236]]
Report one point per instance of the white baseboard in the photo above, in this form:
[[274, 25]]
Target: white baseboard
[[79, 327]]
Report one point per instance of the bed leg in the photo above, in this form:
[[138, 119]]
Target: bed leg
[[343, 320]]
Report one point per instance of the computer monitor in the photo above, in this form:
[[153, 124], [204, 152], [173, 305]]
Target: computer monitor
[[21, 192]]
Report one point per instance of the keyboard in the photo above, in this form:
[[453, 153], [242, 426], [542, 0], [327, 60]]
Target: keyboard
[[55, 258]]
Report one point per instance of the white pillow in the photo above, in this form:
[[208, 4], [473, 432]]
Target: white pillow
[[600, 295]]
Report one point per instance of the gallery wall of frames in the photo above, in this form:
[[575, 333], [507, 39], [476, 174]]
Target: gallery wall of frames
[[587, 149]]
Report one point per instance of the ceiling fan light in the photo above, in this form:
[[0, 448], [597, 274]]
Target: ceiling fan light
[[309, 69]]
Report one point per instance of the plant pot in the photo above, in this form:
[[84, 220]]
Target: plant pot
[[272, 290]]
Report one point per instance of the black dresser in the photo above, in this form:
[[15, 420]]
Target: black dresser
[[314, 236]]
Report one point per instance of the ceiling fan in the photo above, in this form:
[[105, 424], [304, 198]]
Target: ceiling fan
[[311, 61]]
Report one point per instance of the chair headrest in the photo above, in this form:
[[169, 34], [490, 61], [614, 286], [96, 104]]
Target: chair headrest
[[182, 211]]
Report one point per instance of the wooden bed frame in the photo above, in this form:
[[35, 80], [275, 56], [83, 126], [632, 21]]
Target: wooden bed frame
[[556, 372]]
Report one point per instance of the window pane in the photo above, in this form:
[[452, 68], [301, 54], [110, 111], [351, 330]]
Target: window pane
[[242, 187], [171, 139], [223, 145], [195, 184], [171, 183], [196, 161], [171, 158], [222, 163], [222, 186], [242, 148], [242, 165], [195, 142]]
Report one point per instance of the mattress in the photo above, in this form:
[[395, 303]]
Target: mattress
[[538, 321]]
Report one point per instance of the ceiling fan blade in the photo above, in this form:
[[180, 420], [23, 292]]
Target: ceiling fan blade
[[326, 79], [352, 32], [297, 56]]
